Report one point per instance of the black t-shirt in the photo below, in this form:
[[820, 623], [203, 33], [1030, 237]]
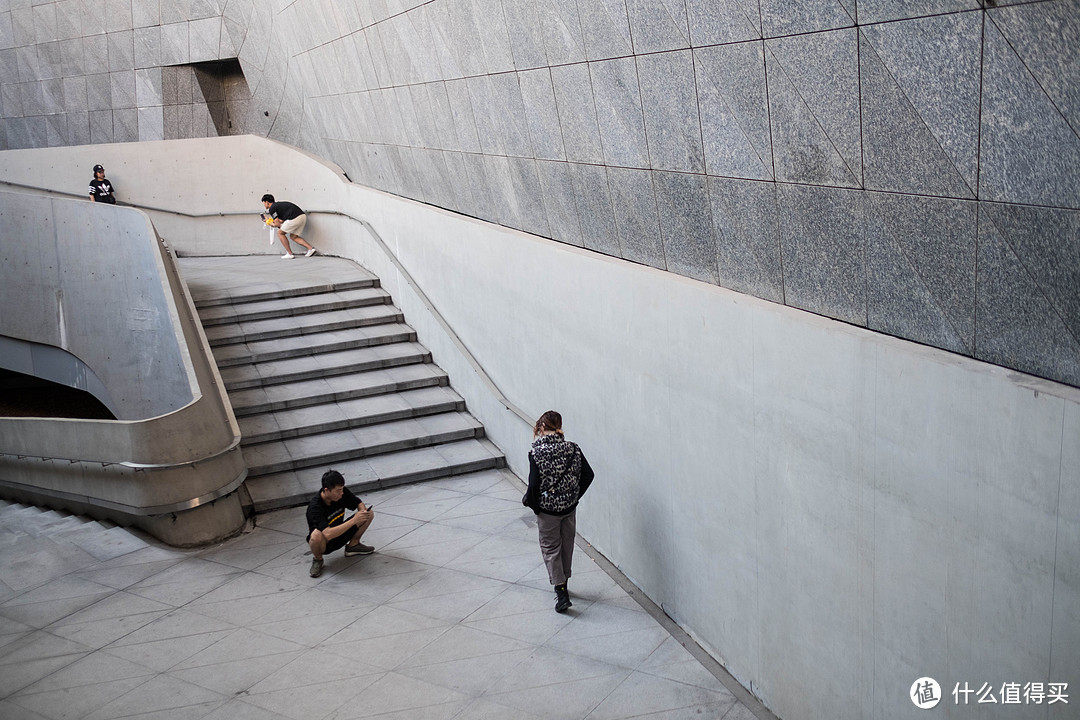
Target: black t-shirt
[[102, 190], [321, 516], [285, 211]]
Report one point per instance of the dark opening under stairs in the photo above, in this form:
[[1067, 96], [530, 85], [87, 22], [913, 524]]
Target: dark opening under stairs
[[327, 374]]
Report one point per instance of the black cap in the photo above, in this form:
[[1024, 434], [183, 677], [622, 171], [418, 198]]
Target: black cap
[[98, 168]]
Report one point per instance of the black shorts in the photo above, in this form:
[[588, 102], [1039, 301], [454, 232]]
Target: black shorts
[[340, 541]]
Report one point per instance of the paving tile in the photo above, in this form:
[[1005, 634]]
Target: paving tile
[[471, 676], [627, 649], [570, 700], [92, 669], [19, 675], [102, 631], [62, 704], [641, 694], [238, 676], [162, 692], [314, 667], [386, 652], [162, 655]]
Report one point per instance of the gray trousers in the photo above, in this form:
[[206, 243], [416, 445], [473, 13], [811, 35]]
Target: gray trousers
[[557, 544]]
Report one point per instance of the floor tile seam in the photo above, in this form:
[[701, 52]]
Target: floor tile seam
[[146, 679], [7, 606], [16, 692], [222, 698], [148, 672], [650, 671], [228, 632], [175, 669], [670, 708], [159, 613], [624, 671]]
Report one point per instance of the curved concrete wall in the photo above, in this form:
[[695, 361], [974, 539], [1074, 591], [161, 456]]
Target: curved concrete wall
[[94, 281], [832, 512], [908, 167]]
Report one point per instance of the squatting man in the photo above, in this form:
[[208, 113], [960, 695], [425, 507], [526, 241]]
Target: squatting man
[[328, 529]]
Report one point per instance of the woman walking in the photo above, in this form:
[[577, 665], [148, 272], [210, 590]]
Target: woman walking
[[559, 475]]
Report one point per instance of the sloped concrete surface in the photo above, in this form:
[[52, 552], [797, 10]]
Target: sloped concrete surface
[[452, 617]]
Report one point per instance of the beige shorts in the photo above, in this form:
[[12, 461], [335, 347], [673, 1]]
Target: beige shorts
[[295, 226]]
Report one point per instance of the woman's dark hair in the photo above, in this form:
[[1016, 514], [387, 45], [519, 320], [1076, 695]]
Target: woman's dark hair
[[331, 479], [268, 198], [550, 421]]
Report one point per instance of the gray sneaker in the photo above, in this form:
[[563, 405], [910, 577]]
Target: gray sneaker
[[358, 549], [316, 567]]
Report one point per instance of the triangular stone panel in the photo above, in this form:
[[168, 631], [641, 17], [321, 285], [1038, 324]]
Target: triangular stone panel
[[1047, 243], [1046, 36], [814, 108], [734, 110], [1017, 327], [1027, 153], [921, 269], [781, 17], [658, 25], [935, 63], [901, 154], [723, 21]]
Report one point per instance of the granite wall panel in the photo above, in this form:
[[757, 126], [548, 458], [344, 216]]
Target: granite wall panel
[[848, 158], [745, 221]]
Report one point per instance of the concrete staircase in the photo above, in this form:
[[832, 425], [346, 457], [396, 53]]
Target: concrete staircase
[[323, 375], [77, 536]]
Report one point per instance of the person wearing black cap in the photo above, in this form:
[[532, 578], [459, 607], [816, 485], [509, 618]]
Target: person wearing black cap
[[289, 220], [101, 190]]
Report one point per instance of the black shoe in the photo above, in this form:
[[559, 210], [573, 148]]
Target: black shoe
[[562, 598], [358, 549]]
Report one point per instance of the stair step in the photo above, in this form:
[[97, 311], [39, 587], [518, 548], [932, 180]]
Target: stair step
[[296, 487], [352, 444], [327, 365], [214, 298], [286, 307], [310, 324], [314, 344], [328, 417], [336, 388]]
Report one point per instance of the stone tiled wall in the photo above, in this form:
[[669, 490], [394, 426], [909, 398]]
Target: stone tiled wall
[[909, 167]]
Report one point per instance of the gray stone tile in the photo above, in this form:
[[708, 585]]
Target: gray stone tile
[[79, 128], [637, 220], [618, 112], [1052, 57], [669, 100], [577, 114], [722, 21], [174, 44], [482, 194], [579, 697], [464, 40], [68, 20], [541, 114], [821, 239], [599, 230], [782, 18], [733, 102], [920, 104], [921, 269], [49, 60], [510, 123], [458, 175], [101, 126], [646, 695], [443, 45], [492, 28], [1044, 240], [147, 42], [658, 25], [561, 29], [686, 225], [457, 92], [148, 89], [1028, 152], [22, 25], [876, 11], [523, 25], [557, 190], [85, 700], [122, 89], [814, 108], [145, 13], [1030, 335], [747, 237], [121, 51], [72, 59], [605, 28], [44, 22]]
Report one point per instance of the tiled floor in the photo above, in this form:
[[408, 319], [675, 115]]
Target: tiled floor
[[450, 618]]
